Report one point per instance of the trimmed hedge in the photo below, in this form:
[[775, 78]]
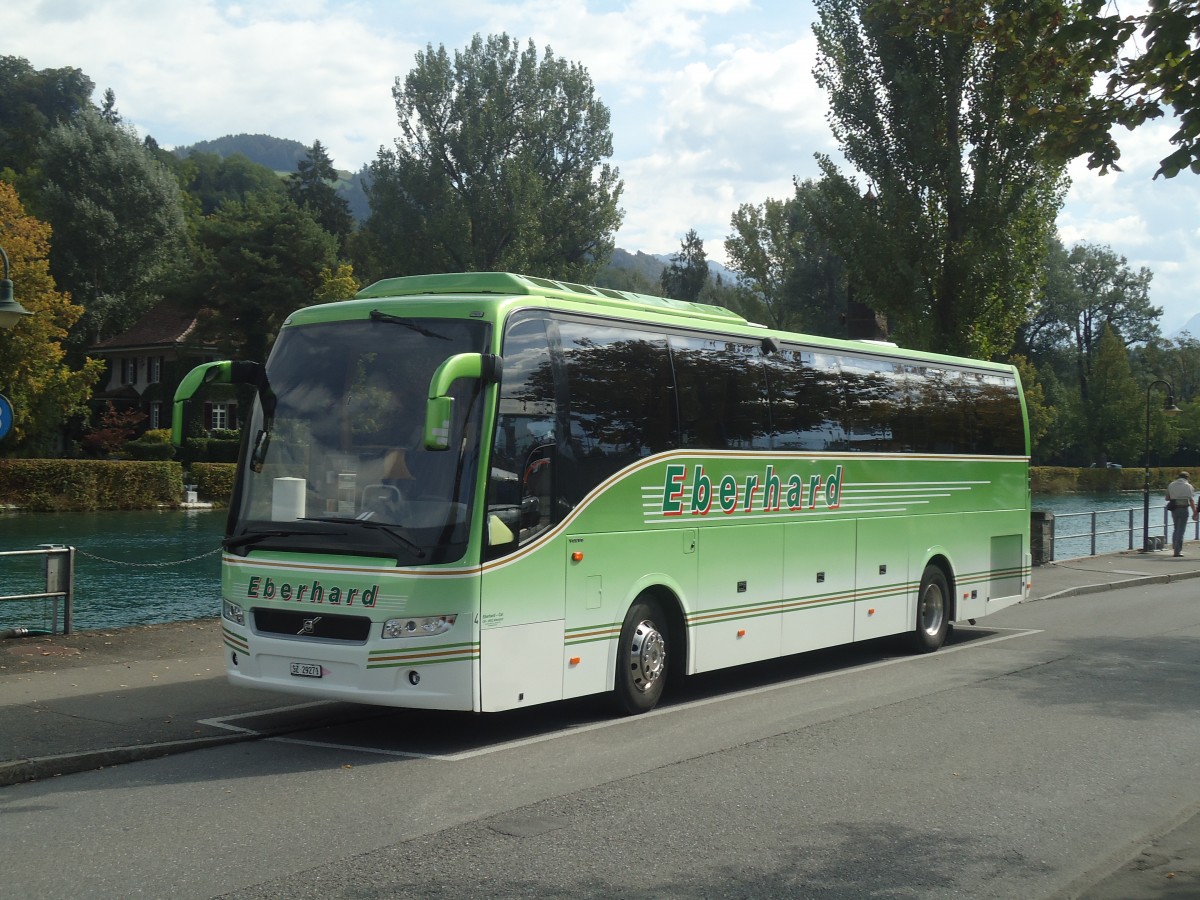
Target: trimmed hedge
[[1064, 480], [214, 481], [62, 484]]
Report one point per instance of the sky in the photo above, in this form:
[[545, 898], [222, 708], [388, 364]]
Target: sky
[[713, 101]]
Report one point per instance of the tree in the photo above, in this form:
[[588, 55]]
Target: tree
[[311, 186], [687, 273], [260, 259], [1114, 406], [1094, 290], [33, 102], [763, 249], [212, 179], [118, 222], [795, 279], [948, 241], [44, 392], [500, 165]]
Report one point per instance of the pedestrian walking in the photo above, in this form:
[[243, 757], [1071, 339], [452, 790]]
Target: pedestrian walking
[[1180, 501]]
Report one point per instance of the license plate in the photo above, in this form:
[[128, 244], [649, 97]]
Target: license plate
[[306, 670]]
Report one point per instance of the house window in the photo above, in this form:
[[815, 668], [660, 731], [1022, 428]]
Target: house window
[[154, 369], [129, 370], [156, 414], [220, 416]]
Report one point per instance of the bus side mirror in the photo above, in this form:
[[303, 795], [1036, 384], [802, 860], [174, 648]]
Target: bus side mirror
[[439, 407], [221, 372]]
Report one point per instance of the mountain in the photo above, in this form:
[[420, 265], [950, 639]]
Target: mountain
[[277, 154], [1191, 326], [642, 272], [282, 155]]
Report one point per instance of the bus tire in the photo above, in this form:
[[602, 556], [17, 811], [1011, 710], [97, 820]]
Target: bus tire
[[933, 611], [641, 658]]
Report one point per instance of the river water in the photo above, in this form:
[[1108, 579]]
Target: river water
[[131, 568], [149, 566]]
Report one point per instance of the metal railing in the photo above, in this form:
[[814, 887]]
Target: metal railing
[[59, 571], [1103, 523]]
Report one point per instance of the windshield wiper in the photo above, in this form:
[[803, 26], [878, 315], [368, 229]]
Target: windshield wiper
[[377, 316], [253, 537], [382, 527]]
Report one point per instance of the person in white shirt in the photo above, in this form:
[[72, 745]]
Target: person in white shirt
[[1180, 501]]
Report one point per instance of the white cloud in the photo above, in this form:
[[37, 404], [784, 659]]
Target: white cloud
[[713, 103]]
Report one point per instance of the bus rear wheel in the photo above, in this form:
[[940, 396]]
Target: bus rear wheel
[[933, 611], [641, 658]]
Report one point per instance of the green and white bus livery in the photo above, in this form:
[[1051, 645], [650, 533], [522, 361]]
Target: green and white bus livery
[[485, 491]]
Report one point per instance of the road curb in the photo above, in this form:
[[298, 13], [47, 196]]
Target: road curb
[[1166, 578], [37, 768]]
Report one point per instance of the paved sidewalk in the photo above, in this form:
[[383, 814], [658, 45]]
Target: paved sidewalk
[[101, 698]]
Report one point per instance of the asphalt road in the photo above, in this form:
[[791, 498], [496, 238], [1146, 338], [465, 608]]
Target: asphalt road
[[1028, 759]]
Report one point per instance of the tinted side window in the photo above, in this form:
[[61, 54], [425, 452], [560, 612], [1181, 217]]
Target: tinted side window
[[999, 428], [619, 385], [876, 414], [721, 393], [806, 400]]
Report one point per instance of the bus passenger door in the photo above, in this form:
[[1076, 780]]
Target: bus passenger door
[[881, 588]]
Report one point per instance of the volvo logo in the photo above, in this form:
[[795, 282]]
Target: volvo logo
[[309, 626]]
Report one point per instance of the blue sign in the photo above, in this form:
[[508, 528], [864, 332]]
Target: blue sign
[[6, 415]]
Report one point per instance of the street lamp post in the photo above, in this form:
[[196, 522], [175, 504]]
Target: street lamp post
[[10, 310], [1170, 409]]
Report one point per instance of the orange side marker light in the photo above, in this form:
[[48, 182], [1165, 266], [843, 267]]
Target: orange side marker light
[[576, 556], [741, 632], [575, 660]]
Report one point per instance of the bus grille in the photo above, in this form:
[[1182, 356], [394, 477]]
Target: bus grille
[[311, 624]]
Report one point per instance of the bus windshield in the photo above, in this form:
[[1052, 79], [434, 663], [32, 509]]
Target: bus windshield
[[335, 461]]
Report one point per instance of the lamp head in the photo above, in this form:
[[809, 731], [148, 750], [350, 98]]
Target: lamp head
[[10, 310], [1169, 408]]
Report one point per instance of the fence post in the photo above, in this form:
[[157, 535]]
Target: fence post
[[1041, 537], [60, 579]]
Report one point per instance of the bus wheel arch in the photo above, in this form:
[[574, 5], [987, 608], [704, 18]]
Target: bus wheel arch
[[651, 651], [935, 608]]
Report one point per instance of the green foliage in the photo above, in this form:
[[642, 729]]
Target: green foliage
[[276, 154], [214, 481], [794, 279], [210, 450], [147, 449], [501, 165], [948, 242], [1114, 426], [261, 258], [311, 186], [1066, 480], [687, 273], [117, 218], [64, 484], [45, 393], [32, 102], [212, 180]]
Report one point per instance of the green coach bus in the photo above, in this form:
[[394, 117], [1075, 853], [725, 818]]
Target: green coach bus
[[484, 491]]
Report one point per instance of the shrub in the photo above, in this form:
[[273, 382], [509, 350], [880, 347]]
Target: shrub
[[62, 484], [214, 481]]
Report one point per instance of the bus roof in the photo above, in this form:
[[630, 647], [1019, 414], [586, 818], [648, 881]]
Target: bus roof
[[508, 284], [461, 285]]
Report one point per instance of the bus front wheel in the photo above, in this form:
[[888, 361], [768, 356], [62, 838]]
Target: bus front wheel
[[641, 658], [933, 611]]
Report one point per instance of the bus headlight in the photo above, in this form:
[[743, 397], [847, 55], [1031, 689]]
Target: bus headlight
[[423, 627], [233, 612]]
